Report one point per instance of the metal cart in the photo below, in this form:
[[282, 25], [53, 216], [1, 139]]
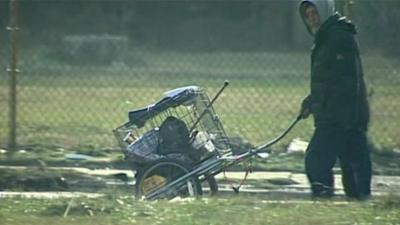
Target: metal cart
[[179, 143]]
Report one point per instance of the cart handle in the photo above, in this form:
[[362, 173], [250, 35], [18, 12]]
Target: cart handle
[[263, 147], [282, 135], [226, 83]]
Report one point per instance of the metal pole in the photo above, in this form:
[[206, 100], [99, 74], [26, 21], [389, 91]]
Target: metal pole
[[348, 5], [13, 71]]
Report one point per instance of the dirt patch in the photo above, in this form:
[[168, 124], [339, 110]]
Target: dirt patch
[[36, 179]]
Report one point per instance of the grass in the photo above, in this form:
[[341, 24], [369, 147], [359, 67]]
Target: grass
[[76, 107], [64, 108], [114, 209]]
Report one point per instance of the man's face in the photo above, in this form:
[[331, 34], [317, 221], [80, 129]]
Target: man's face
[[312, 18]]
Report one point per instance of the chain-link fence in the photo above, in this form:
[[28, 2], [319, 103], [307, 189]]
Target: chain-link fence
[[85, 64]]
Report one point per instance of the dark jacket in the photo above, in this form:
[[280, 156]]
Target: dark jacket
[[338, 93]]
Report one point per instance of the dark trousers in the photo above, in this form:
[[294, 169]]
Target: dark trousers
[[351, 148]]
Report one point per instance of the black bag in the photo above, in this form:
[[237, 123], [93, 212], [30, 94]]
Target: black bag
[[175, 138]]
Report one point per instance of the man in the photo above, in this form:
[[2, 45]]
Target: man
[[338, 103]]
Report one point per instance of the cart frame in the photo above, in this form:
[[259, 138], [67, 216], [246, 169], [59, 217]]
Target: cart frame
[[201, 117]]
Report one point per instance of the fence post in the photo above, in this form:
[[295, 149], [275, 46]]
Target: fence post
[[13, 71], [348, 5]]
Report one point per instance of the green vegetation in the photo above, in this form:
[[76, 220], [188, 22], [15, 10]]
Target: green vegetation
[[76, 107], [114, 209]]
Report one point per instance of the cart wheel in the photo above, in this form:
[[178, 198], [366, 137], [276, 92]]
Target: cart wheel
[[162, 172]]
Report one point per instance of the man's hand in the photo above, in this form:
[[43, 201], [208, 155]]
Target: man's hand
[[305, 110], [304, 113]]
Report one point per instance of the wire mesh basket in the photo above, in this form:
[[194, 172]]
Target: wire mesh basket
[[140, 138]]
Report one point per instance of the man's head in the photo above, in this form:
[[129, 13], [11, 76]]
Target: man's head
[[315, 12]]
